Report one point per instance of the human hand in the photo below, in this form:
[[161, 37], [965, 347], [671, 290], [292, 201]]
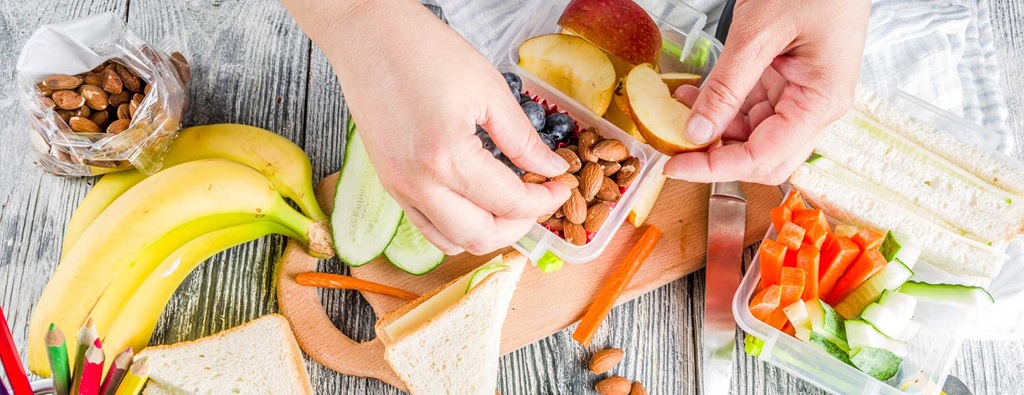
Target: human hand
[[788, 70], [417, 91]]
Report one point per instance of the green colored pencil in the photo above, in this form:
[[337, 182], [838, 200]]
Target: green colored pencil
[[117, 371], [57, 350], [87, 337]]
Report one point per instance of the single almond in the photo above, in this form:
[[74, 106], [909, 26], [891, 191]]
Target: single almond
[[182, 66], [638, 389], [83, 125], [83, 112], [590, 180], [571, 158], [132, 107], [609, 191], [95, 79], [128, 77], [560, 213], [586, 142], [611, 150], [604, 360], [627, 173], [614, 385], [45, 91], [596, 215], [533, 178], [609, 167], [574, 233], [94, 97], [568, 179], [118, 126], [59, 82], [123, 112], [68, 100], [117, 99], [101, 119], [555, 224], [544, 218], [112, 83], [148, 87], [47, 102], [65, 115], [575, 208]]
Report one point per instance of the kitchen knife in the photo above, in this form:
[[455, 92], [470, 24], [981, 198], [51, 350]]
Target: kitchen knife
[[727, 216]]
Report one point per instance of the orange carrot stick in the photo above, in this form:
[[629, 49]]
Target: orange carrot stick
[[606, 298], [337, 281]]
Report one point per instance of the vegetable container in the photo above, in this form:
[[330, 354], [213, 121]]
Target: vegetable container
[[934, 350], [686, 48]]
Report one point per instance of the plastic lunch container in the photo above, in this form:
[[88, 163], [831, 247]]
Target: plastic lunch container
[[686, 48], [932, 352]]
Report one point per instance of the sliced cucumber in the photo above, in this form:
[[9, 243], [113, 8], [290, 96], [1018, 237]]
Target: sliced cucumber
[[876, 362], [826, 322], [365, 217], [900, 303], [892, 276], [831, 348], [411, 252], [886, 321], [800, 318], [861, 334], [480, 274], [899, 246], [951, 294]]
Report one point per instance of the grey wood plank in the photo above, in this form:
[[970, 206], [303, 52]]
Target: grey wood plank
[[1008, 33]]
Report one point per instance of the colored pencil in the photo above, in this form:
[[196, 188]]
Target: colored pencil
[[11, 360], [3, 389], [117, 371], [92, 372], [87, 337], [57, 351], [135, 379]]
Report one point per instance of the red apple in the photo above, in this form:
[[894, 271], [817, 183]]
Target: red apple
[[620, 27]]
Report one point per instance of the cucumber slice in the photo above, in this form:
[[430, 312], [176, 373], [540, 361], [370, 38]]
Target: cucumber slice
[[831, 348], [899, 246], [892, 276], [861, 334], [411, 252], [826, 322], [876, 362], [800, 318], [951, 294], [899, 303], [886, 321], [365, 217], [480, 274]]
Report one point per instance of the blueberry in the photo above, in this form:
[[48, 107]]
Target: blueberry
[[535, 113], [524, 98], [508, 162], [515, 94], [549, 141], [480, 130], [487, 142], [513, 81], [559, 126]]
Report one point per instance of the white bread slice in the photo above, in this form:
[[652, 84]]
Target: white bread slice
[[456, 351], [260, 357], [997, 170], [972, 206], [848, 203]]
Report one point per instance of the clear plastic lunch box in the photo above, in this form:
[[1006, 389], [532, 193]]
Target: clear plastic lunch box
[[934, 350], [686, 48]]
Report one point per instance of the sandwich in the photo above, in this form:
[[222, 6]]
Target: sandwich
[[882, 168], [449, 340], [260, 357]]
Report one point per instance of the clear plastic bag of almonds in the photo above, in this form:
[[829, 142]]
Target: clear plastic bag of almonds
[[99, 98]]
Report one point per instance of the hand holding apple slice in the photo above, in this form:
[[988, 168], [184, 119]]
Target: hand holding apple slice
[[572, 65], [660, 117]]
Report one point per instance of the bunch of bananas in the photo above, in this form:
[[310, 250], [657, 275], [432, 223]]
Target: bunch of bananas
[[135, 238]]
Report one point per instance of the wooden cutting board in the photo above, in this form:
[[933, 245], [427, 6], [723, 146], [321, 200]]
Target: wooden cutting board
[[544, 303]]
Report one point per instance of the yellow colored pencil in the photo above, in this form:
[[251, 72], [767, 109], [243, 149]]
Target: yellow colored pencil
[[136, 378]]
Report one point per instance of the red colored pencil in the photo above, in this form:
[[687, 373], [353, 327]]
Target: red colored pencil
[[11, 361], [92, 372]]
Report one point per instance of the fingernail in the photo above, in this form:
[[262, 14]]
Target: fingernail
[[699, 129], [559, 162]]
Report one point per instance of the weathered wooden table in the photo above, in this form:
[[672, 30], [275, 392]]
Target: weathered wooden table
[[252, 65]]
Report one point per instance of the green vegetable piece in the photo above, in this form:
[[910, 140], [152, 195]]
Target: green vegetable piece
[[831, 348], [550, 263], [752, 345], [813, 158], [876, 362]]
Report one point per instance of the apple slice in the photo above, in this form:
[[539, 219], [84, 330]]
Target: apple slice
[[660, 118], [572, 65], [623, 121], [645, 204], [619, 97], [620, 27], [675, 80]]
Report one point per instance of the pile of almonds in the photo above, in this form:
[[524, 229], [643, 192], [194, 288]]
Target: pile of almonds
[[102, 100], [602, 362], [599, 170]]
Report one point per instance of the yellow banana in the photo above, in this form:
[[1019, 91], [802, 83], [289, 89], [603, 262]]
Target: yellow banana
[[161, 205], [135, 322], [279, 159]]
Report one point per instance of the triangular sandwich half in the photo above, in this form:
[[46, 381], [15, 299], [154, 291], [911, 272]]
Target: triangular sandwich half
[[449, 340]]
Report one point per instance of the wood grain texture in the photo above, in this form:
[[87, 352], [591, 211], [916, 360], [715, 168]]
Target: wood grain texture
[[253, 65]]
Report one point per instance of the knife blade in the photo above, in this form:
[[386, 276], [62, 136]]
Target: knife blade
[[727, 220]]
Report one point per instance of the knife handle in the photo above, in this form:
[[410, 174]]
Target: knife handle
[[730, 189]]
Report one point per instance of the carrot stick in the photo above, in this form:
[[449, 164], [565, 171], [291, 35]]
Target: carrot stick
[[337, 281], [606, 298]]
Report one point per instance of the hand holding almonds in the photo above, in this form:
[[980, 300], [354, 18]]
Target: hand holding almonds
[[599, 169]]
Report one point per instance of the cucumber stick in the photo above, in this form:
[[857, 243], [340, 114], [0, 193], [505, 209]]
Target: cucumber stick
[[861, 334], [365, 217], [892, 276], [827, 323], [951, 294], [411, 252], [900, 246], [876, 362]]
